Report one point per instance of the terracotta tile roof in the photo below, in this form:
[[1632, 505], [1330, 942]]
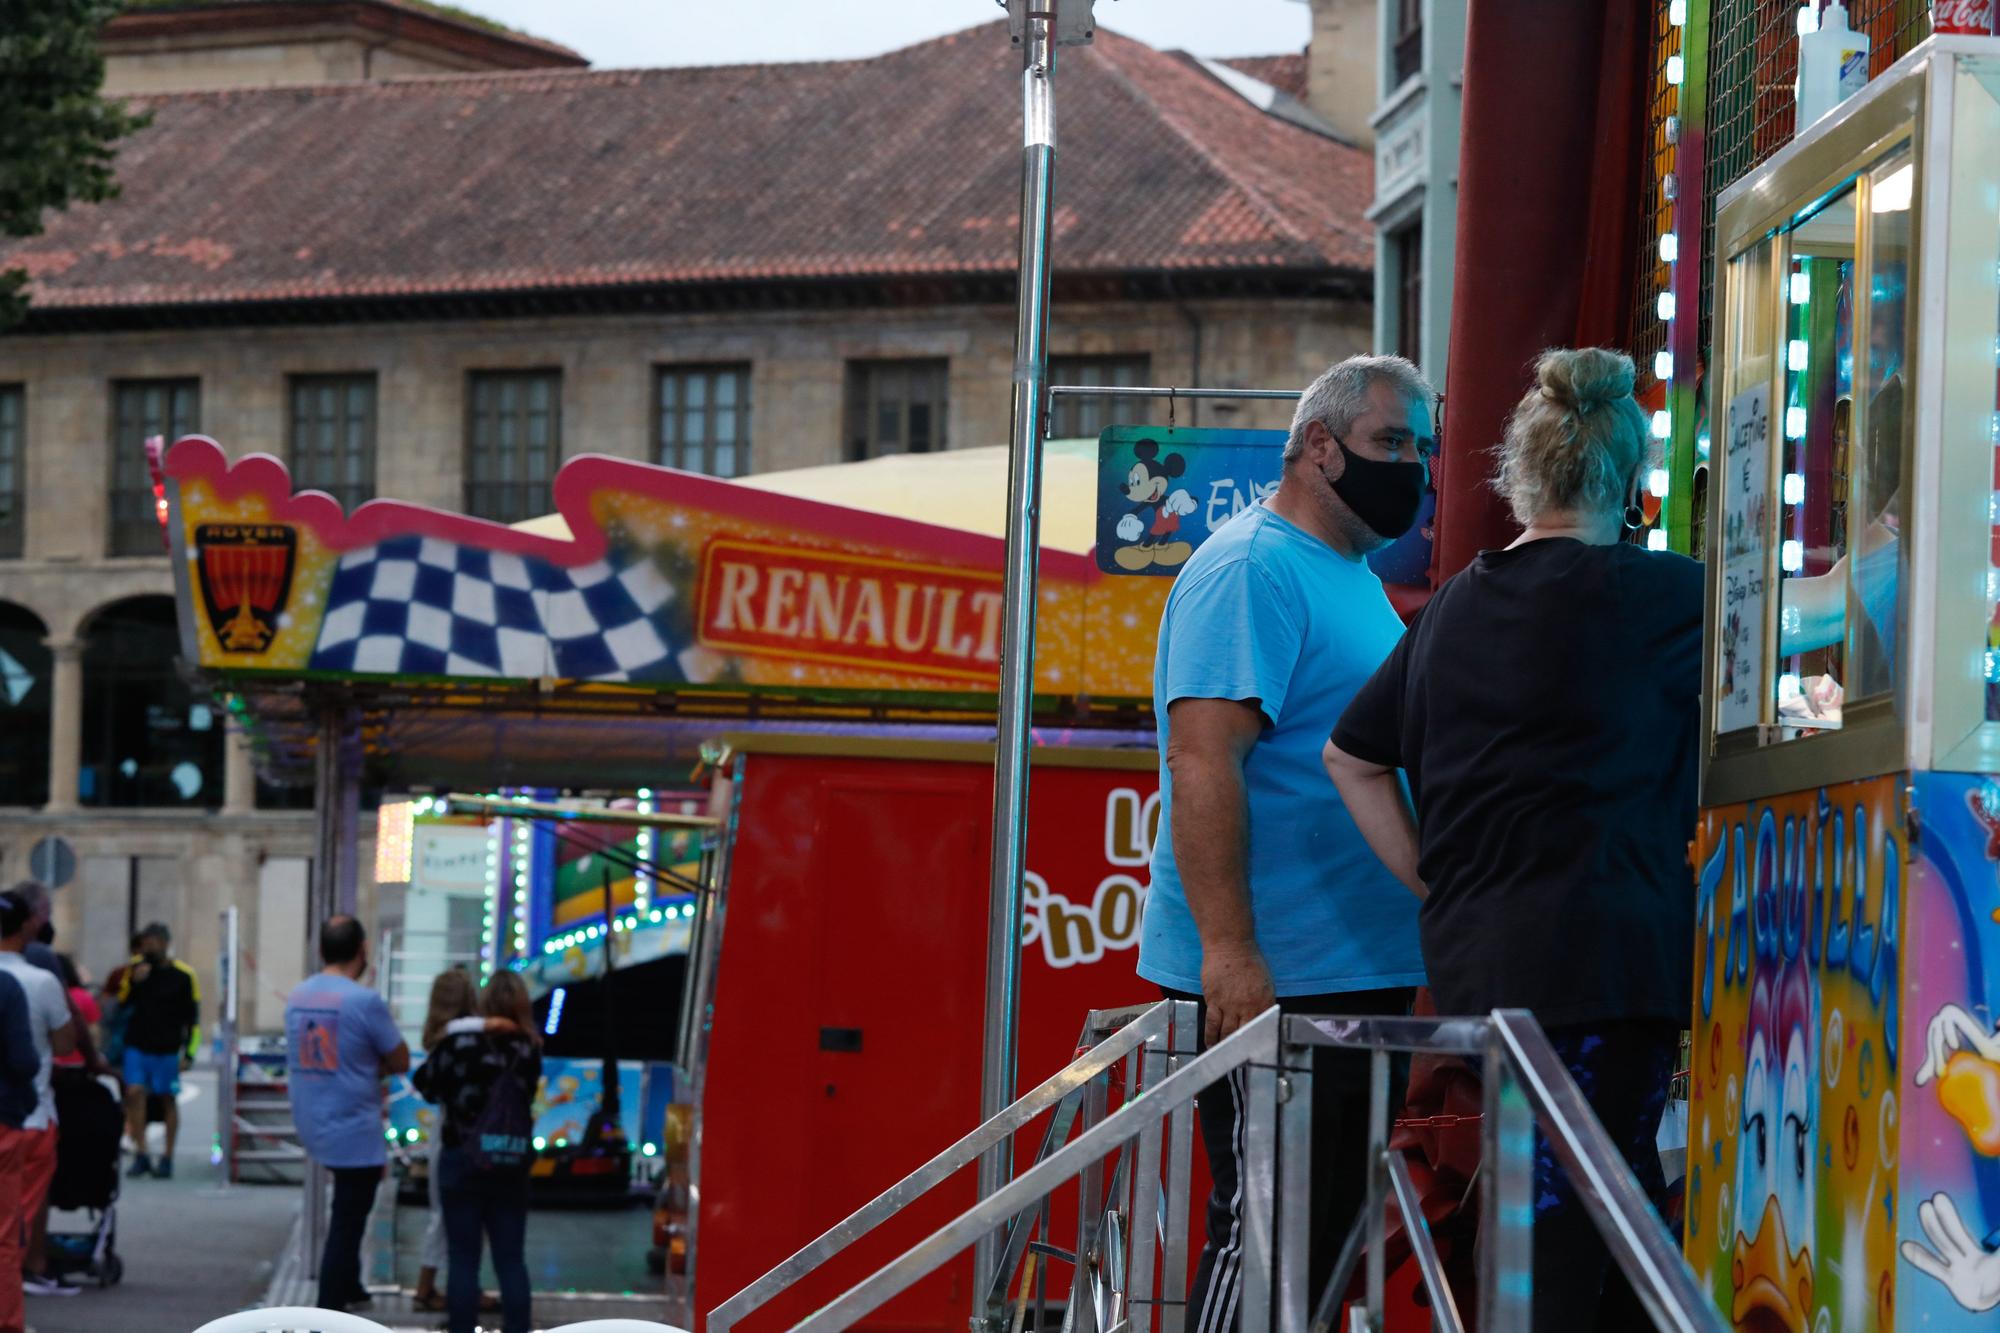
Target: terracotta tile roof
[[1285, 73], [904, 164], [144, 19]]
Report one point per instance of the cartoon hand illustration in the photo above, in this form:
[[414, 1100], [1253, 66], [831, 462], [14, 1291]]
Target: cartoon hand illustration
[[1180, 502], [1130, 529], [1970, 1273], [1953, 1030]]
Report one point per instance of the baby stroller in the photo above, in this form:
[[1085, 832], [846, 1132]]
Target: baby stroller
[[87, 1175]]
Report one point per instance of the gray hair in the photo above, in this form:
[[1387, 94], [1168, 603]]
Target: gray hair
[[1340, 394], [1574, 442]]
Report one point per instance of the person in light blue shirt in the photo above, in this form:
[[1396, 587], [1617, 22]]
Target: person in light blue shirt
[[340, 1043], [1263, 891]]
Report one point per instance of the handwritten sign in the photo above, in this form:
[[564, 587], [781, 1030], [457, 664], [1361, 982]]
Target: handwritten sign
[[1742, 680], [448, 858]]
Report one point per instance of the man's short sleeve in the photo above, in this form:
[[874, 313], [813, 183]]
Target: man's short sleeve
[[383, 1035], [49, 999], [1229, 635], [1371, 728]]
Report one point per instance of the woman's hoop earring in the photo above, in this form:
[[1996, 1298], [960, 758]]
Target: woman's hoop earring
[[1635, 518]]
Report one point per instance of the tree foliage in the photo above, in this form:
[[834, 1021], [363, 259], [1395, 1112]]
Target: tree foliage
[[58, 134]]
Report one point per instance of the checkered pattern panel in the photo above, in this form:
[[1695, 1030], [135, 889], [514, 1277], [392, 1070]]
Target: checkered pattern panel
[[422, 606]]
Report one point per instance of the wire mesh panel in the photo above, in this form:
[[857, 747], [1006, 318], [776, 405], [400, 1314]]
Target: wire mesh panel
[[1650, 274], [1753, 65]]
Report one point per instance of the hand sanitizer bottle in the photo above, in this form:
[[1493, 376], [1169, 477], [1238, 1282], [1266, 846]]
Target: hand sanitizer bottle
[[1833, 62]]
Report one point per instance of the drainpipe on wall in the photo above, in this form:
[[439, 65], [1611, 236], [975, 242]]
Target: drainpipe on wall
[[1194, 358]]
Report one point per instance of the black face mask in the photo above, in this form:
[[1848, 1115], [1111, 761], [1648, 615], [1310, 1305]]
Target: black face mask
[[1385, 496]]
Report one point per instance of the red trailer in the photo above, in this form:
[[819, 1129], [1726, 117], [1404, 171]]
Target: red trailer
[[846, 970]]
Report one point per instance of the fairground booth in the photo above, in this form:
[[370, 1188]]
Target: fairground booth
[[711, 764]]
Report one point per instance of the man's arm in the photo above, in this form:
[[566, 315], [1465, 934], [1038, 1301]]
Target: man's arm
[[398, 1060], [1207, 743], [62, 1038], [1374, 797], [191, 1028]]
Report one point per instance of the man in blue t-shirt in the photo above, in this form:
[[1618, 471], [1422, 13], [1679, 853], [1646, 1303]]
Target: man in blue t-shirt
[[1263, 890], [340, 1043]]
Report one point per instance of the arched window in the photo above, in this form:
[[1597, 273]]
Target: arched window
[[147, 738], [25, 666]]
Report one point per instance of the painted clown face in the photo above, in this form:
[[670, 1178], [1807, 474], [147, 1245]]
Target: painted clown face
[[1771, 1273]]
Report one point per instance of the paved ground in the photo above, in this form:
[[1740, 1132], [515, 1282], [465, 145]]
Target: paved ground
[[194, 1251], [191, 1252]]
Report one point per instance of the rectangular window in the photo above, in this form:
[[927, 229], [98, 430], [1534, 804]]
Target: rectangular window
[[1407, 55], [13, 451], [333, 436], [1085, 418], [141, 409], [896, 407], [513, 442], [703, 416], [1409, 244]]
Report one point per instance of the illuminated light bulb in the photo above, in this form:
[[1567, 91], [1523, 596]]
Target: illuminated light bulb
[[1672, 128], [410, 1137], [1792, 556], [651, 1150], [1670, 187], [1797, 354], [389, 1134], [1663, 424], [1701, 445], [1670, 247], [1663, 365], [658, 917], [1677, 13], [1656, 482], [1656, 540], [540, 1143], [1795, 488], [1801, 288], [1795, 423], [645, 793], [1666, 305], [1676, 70]]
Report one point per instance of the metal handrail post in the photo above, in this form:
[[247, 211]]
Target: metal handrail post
[[1375, 1201], [1069, 1081], [1143, 1233], [1175, 1205], [1258, 1180], [1507, 1203], [1655, 1268], [1295, 1170], [1008, 868], [1256, 1042]]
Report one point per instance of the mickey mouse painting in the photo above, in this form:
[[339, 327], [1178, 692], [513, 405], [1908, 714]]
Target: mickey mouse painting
[[1151, 530]]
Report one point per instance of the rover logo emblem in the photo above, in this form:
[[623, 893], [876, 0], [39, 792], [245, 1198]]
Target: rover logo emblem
[[246, 573]]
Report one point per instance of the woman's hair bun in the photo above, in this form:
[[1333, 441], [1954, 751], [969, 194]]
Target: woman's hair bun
[[1583, 379]]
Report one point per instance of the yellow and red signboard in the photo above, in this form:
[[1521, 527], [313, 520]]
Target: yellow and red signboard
[[669, 581]]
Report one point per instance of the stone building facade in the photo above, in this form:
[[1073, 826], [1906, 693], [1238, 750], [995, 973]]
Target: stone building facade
[[284, 258]]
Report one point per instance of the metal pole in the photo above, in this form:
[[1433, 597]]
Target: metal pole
[[1017, 643]]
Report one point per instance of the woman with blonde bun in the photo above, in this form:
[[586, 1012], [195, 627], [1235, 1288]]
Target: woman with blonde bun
[[1544, 706]]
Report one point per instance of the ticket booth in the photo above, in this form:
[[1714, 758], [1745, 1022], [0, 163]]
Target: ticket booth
[[1844, 1140]]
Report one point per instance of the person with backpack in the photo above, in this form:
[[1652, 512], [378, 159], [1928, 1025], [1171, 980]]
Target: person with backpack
[[485, 1082]]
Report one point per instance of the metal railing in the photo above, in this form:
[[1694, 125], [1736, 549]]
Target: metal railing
[[1525, 1086], [1124, 1220]]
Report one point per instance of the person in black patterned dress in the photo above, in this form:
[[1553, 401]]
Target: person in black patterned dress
[[483, 1163]]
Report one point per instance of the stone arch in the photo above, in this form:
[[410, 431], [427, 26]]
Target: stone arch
[[148, 738]]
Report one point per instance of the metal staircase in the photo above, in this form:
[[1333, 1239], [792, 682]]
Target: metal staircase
[[1131, 1161]]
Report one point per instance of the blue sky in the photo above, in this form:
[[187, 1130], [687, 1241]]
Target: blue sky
[[625, 33]]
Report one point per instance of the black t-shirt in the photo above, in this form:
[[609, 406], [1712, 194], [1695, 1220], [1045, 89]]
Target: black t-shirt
[[1545, 706]]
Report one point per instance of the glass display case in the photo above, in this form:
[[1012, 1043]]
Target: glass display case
[[1856, 487]]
